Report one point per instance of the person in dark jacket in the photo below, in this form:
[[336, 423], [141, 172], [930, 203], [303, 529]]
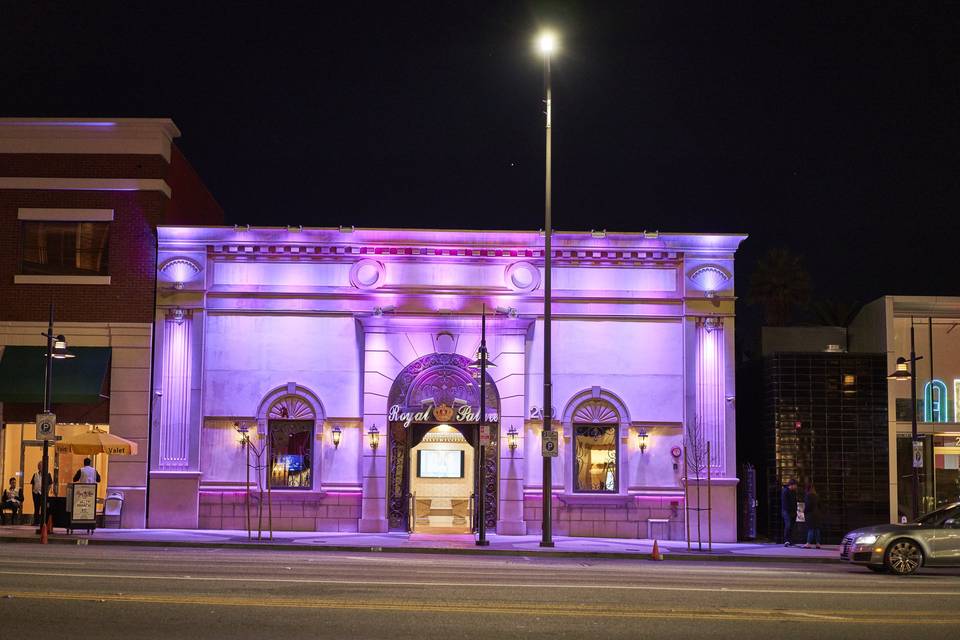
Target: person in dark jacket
[[811, 515], [788, 509]]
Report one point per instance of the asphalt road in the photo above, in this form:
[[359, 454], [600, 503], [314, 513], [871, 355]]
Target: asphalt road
[[137, 592]]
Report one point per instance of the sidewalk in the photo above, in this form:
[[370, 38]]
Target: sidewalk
[[427, 543]]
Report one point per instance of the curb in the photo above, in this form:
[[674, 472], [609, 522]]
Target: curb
[[279, 546]]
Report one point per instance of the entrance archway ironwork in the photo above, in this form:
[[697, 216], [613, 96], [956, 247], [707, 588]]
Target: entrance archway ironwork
[[442, 381]]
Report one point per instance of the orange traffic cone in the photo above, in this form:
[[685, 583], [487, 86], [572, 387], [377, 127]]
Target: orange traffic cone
[[655, 553]]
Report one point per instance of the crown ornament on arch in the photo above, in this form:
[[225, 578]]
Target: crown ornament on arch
[[443, 412]]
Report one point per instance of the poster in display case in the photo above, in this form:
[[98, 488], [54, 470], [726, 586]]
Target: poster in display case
[[82, 504]]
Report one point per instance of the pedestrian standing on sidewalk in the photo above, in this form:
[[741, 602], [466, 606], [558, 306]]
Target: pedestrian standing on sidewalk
[[788, 509], [36, 488], [87, 473], [811, 515]]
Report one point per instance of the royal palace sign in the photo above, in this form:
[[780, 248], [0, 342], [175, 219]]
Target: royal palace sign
[[439, 413]]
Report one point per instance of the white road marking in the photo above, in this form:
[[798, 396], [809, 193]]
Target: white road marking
[[499, 585], [804, 614], [58, 563]]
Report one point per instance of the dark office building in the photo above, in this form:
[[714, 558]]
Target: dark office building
[[824, 420]]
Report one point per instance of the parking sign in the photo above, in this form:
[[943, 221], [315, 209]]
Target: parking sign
[[46, 426], [549, 441]]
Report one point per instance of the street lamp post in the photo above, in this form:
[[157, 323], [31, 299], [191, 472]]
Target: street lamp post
[[481, 494], [56, 348], [903, 374], [547, 43]]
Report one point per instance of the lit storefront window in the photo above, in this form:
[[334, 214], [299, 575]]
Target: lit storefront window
[[595, 461], [946, 469], [22, 452], [291, 454]]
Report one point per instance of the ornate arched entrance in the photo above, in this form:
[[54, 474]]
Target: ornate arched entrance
[[439, 388]]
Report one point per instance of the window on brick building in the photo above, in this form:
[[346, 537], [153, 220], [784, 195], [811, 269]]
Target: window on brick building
[[64, 248]]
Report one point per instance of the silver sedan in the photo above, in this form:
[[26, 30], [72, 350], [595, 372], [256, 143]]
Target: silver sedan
[[932, 541]]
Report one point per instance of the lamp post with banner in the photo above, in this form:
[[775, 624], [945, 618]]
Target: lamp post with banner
[[903, 374], [484, 431], [47, 421], [547, 45]]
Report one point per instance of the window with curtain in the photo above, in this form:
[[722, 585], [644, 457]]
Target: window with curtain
[[64, 248], [595, 458], [291, 454]]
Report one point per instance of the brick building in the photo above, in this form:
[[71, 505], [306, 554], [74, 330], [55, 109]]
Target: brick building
[[80, 201]]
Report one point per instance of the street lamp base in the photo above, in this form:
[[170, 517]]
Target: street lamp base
[[483, 543], [544, 543]]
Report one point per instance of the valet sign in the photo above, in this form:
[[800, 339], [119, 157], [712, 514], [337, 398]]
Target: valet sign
[[439, 413]]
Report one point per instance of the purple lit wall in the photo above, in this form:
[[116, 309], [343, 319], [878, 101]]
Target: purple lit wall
[[175, 402], [711, 371], [337, 316]]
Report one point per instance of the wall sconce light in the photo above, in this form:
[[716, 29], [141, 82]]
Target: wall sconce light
[[335, 434], [642, 436], [374, 434], [512, 438], [178, 316], [243, 430]]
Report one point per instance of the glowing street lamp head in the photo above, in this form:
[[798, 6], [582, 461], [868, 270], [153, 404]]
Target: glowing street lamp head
[[547, 43]]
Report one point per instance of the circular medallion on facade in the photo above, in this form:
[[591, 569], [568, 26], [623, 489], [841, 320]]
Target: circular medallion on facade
[[522, 276], [367, 274]]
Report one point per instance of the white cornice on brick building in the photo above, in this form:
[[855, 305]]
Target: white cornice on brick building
[[140, 136]]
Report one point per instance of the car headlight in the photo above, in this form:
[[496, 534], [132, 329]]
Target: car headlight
[[868, 539]]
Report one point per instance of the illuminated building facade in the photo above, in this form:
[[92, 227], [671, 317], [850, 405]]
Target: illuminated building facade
[[346, 356]]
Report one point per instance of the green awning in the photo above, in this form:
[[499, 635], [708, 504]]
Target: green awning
[[76, 380]]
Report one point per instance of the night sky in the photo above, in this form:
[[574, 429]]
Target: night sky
[[831, 130]]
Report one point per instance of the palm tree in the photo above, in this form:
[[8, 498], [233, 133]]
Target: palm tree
[[780, 285]]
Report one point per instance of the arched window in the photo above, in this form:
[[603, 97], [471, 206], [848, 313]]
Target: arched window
[[595, 452], [289, 417], [935, 406]]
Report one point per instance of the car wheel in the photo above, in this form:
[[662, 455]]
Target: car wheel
[[904, 557]]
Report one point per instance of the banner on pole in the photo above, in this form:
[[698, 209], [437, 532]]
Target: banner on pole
[[918, 454]]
